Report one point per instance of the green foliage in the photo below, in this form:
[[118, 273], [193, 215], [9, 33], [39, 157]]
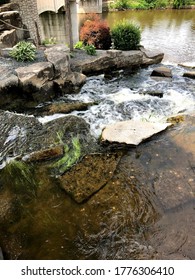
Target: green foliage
[[90, 49], [179, 3], [79, 45], [120, 5], [49, 41], [23, 51], [20, 176], [126, 35], [71, 155]]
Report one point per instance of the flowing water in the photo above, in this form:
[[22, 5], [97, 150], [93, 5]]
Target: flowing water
[[146, 210]]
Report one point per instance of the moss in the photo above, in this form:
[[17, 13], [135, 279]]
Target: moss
[[19, 176], [71, 155]]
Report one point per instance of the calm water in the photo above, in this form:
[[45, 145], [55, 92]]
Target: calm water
[[171, 31]]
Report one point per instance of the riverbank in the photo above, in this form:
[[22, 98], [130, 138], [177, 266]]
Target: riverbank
[[122, 5]]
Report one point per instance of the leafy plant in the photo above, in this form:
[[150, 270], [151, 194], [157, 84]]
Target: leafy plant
[[126, 35], [120, 5], [23, 51], [79, 45], [90, 49], [49, 41], [96, 32]]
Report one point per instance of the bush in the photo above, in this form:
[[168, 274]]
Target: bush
[[23, 51], [96, 32], [120, 5], [79, 45], [126, 35], [90, 49]]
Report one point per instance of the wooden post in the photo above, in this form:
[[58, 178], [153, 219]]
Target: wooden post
[[69, 23]]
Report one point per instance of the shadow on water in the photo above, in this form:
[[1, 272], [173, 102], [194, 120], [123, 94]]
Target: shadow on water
[[145, 211]]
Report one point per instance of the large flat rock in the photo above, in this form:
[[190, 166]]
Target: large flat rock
[[189, 64], [132, 132]]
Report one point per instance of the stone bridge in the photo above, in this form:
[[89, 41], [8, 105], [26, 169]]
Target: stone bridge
[[49, 5], [83, 6]]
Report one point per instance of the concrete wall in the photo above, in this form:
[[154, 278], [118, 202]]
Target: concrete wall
[[30, 17], [53, 24], [89, 6]]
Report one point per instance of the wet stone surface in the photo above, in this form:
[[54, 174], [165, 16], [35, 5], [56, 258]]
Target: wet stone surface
[[89, 176]]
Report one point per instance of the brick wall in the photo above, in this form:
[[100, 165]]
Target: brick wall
[[30, 17]]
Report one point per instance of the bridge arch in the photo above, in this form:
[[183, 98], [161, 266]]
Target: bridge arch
[[49, 5]]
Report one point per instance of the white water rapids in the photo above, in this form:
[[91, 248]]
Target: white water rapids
[[131, 96]]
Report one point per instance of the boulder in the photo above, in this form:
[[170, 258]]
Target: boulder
[[162, 72], [37, 78], [89, 176], [151, 57], [59, 56], [105, 60], [8, 38], [189, 74], [131, 132], [24, 137]]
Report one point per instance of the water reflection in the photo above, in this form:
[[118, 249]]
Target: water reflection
[[171, 31]]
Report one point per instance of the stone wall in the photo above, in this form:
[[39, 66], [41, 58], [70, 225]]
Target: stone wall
[[30, 17]]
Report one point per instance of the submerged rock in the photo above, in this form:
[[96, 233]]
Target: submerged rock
[[89, 176], [131, 132], [162, 72], [26, 137]]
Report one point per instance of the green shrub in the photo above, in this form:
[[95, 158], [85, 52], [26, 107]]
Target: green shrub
[[23, 51], [90, 49], [126, 35], [120, 5], [79, 45]]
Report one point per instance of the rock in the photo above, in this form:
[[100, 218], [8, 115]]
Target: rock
[[72, 82], [7, 79], [8, 86], [176, 119], [59, 56], [153, 93], [151, 57], [65, 108], [25, 136], [188, 65], [105, 60], [131, 132], [162, 72], [8, 38], [89, 176], [5, 52], [189, 74], [37, 78], [45, 154], [12, 18], [9, 7]]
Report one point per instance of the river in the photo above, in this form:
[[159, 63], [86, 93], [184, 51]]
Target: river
[[171, 31], [146, 210]]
